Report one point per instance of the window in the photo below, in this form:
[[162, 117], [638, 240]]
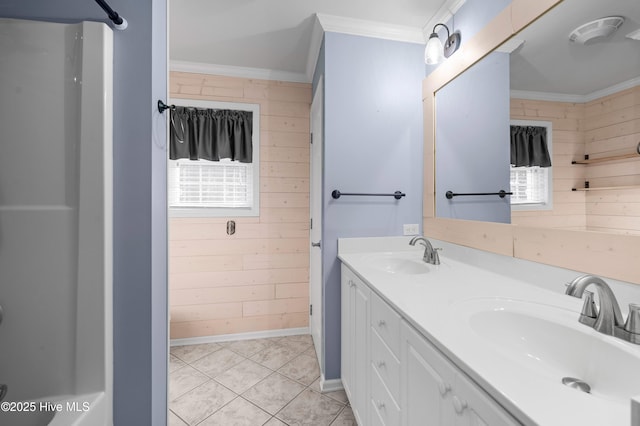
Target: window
[[532, 187], [222, 188], [529, 185]]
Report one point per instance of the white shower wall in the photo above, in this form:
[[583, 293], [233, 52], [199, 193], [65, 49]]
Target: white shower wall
[[55, 209]]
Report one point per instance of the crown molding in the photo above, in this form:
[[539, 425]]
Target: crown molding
[[443, 15], [612, 89], [340, 24], [576, 99], [242, 72], [547, 96]]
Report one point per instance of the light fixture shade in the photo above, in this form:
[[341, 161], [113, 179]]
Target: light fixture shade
[[434, 52]]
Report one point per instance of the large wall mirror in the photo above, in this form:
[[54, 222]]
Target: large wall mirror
[[584, 96]]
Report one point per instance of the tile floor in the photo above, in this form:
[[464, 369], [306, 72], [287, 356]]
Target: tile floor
[[272, 382]]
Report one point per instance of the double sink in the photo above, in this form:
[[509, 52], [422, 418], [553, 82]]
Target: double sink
[[543, 343]]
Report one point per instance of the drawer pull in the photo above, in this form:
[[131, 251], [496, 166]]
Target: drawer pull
[[381, 364], [459, 405], [382, 323], [443, 388], [380, 405]]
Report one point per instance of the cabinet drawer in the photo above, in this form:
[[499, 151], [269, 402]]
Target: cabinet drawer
[[382, 403], [386, 322], [386, 364]]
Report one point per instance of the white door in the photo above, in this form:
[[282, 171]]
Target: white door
[[315, 231]]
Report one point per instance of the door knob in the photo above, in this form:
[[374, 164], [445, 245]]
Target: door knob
[[316, 244]]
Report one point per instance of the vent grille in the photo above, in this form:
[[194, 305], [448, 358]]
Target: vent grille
[[599, 28]]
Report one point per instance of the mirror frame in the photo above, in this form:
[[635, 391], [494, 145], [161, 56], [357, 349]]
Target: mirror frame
[[611, 255]]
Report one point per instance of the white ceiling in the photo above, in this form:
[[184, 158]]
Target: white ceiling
[[279, 39], [278, 35]]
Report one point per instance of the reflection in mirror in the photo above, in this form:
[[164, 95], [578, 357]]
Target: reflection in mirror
[[472, 140], [589, 92]]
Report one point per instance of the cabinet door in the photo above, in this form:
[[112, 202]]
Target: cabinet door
[[473, 407], [360, 355], [354, 340], [426, 382], [346, 330]]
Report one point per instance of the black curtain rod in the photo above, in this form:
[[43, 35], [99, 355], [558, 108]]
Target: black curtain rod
[[119, 22], [397, 195], [162, 106], [501, 194]]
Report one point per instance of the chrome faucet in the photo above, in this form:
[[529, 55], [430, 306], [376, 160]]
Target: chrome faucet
[[430, 253], [607, 317]]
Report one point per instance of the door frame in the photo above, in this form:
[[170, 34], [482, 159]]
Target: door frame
[[316, 176]]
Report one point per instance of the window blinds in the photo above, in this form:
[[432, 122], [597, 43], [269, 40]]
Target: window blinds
[[209, 184]]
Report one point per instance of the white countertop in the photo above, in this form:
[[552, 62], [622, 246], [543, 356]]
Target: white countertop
[[434, 302]]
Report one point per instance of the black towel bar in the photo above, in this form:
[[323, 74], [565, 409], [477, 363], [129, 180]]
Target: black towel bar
[[501, 194], [397, 195]]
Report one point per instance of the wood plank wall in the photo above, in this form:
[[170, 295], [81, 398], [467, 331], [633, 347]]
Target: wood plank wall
[[612, 127], [258, 278], [568, 144], [604, 127]]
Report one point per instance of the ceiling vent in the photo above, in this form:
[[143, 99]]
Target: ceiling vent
[[599, 28]]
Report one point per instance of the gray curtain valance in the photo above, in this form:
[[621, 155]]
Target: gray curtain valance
[[529, 146], [211, 134]]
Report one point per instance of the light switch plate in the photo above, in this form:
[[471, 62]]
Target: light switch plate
[[410, 229]]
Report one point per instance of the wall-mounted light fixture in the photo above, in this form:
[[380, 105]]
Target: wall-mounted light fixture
[[435, 51]]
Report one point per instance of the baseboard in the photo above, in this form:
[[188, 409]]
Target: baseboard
[[239, 336], [330, 385]]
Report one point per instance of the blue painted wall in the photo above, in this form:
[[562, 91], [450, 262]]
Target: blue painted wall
[[469, 160], [373, 143], [461, 105], [140, 228], [475, 15]]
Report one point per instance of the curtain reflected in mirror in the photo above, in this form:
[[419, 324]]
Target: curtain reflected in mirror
[[594, 113]]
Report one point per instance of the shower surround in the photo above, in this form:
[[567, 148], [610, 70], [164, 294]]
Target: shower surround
[[55, 222]]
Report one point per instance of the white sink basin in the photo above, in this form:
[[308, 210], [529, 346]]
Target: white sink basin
[[398, 263], [551, 343]]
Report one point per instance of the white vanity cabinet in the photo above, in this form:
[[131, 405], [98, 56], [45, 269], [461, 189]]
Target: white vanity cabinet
[[355, 343], [434, 392], [394, 376]]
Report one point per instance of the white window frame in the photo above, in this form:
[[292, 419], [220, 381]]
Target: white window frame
[[549, 204], [254, 211]]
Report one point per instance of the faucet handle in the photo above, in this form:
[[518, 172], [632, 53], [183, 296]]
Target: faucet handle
[[632, 325], [434, 255], [589, 308]]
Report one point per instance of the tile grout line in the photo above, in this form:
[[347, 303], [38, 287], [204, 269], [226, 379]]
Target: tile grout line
[[269, 343]]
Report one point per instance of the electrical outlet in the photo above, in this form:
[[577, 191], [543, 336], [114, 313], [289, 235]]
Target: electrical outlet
[[410, 229]]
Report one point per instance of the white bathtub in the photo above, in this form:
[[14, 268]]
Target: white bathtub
[[55, 220]]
